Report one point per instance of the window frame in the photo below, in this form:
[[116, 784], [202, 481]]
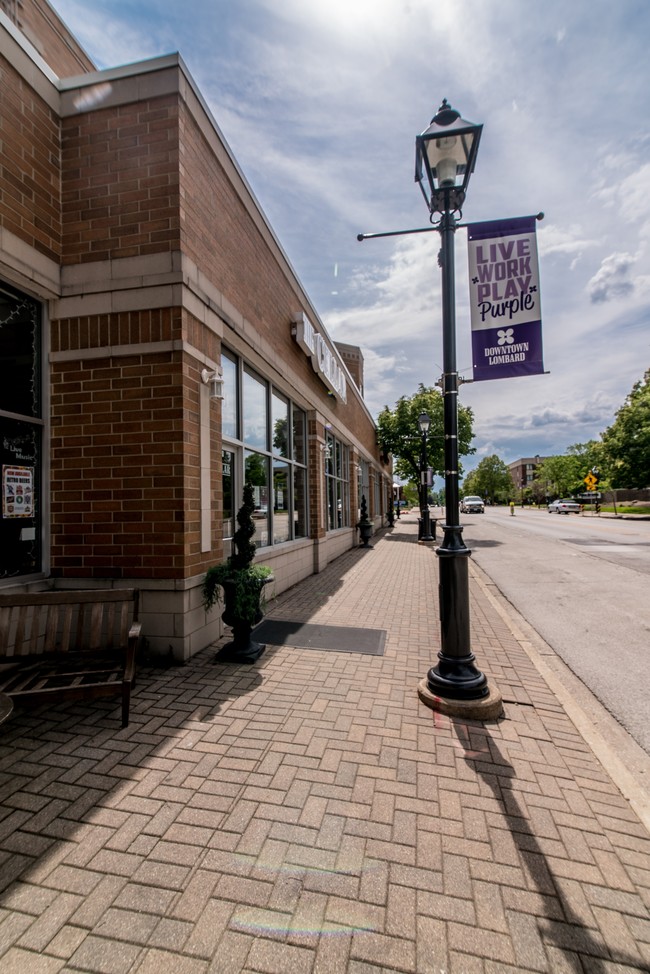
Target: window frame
[[243, 449], [38, 426], [337, 483]]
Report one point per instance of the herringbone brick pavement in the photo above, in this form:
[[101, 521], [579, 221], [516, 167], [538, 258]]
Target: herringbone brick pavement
[[308, 815]]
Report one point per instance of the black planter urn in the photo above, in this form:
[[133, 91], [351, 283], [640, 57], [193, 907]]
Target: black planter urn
[[242, 648]]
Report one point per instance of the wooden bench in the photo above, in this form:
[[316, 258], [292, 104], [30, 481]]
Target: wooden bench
[[69, 645]]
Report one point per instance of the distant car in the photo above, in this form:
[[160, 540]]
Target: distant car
[[472, 505], [564, 507]]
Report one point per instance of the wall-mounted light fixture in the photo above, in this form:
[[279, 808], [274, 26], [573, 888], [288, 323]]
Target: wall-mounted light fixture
[[213, 377]]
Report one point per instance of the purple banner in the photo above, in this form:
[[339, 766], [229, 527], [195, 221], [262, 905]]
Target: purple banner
[[505, 299]]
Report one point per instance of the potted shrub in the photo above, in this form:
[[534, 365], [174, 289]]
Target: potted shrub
[[241, 584], [364, 524]]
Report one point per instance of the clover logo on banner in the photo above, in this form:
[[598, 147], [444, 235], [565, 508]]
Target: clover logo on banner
[[505, 336]]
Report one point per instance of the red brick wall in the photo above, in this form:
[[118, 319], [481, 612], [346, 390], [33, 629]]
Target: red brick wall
[[219, 235], [120, 181], [125, 457], [41, 26], [29, 165]]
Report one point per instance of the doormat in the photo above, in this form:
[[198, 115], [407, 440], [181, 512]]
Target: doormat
[[338, 639]]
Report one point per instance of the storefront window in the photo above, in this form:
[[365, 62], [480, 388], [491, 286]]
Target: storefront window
[[255, 412], [364, 483], [337, 483], [280, 421], [257, 474], [21, 429], [229, 409], [280, 502], [272, 452]]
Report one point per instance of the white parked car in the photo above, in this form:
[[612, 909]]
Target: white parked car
[[564, 507], [472, 505]]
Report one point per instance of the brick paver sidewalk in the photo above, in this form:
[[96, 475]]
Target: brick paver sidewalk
[[308, 815]]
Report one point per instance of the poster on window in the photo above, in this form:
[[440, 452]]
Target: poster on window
[[505, 304], [17, 491]]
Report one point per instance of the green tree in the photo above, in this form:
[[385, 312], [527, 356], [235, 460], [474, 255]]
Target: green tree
[[490, 479], [626, 443], [399, 433], [564, 475]]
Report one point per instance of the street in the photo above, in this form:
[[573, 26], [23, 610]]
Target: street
[[582, 583]]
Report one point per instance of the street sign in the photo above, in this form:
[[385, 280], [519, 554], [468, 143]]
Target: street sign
[[591, 481], [593, 495]]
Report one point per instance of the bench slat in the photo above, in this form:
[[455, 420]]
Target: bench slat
[[34, 633], [110, 626], [51, 628], [73, 596], [19, 639], [5, 626]]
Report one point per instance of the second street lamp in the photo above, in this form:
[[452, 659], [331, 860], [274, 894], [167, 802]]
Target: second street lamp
[[426, 537], [444, 162]]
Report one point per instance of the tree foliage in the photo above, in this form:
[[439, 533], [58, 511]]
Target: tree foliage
[[399, 433], [626, 443], [490, 479], [564, 476]]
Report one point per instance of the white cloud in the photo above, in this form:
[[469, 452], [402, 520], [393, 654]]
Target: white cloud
[[613, 278]]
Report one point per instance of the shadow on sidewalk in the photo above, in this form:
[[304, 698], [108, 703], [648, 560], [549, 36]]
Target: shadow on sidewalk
[[581, 947], [63, 770], [394, 535]]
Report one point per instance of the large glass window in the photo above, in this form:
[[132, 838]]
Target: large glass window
[[257, 474], [21, 428], [229, 405], [255, 411], [337, 493], [271, 453], [363, 484], [281, 525]]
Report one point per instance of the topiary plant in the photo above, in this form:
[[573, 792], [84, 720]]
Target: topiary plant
[[241, 583], [364, 524]]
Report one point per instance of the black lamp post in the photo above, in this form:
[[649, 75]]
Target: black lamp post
[[445, 155], [425, 518]]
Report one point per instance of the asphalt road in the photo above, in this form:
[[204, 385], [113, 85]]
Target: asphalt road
[[582, 583]]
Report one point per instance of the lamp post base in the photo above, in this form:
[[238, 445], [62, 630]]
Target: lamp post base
[[489, 707], [425, 536], [457, 679]]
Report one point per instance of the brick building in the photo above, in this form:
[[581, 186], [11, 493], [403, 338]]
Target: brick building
[[156, 347], [522, 473]]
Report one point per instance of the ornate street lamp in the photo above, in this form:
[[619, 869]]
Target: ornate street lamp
[[445, 155], [446, 151], [425, 518]]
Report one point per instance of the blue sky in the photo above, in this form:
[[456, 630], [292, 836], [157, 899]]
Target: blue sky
[[321, 100]]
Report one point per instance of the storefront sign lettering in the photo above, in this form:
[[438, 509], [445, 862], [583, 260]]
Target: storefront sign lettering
[[322, 358]]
